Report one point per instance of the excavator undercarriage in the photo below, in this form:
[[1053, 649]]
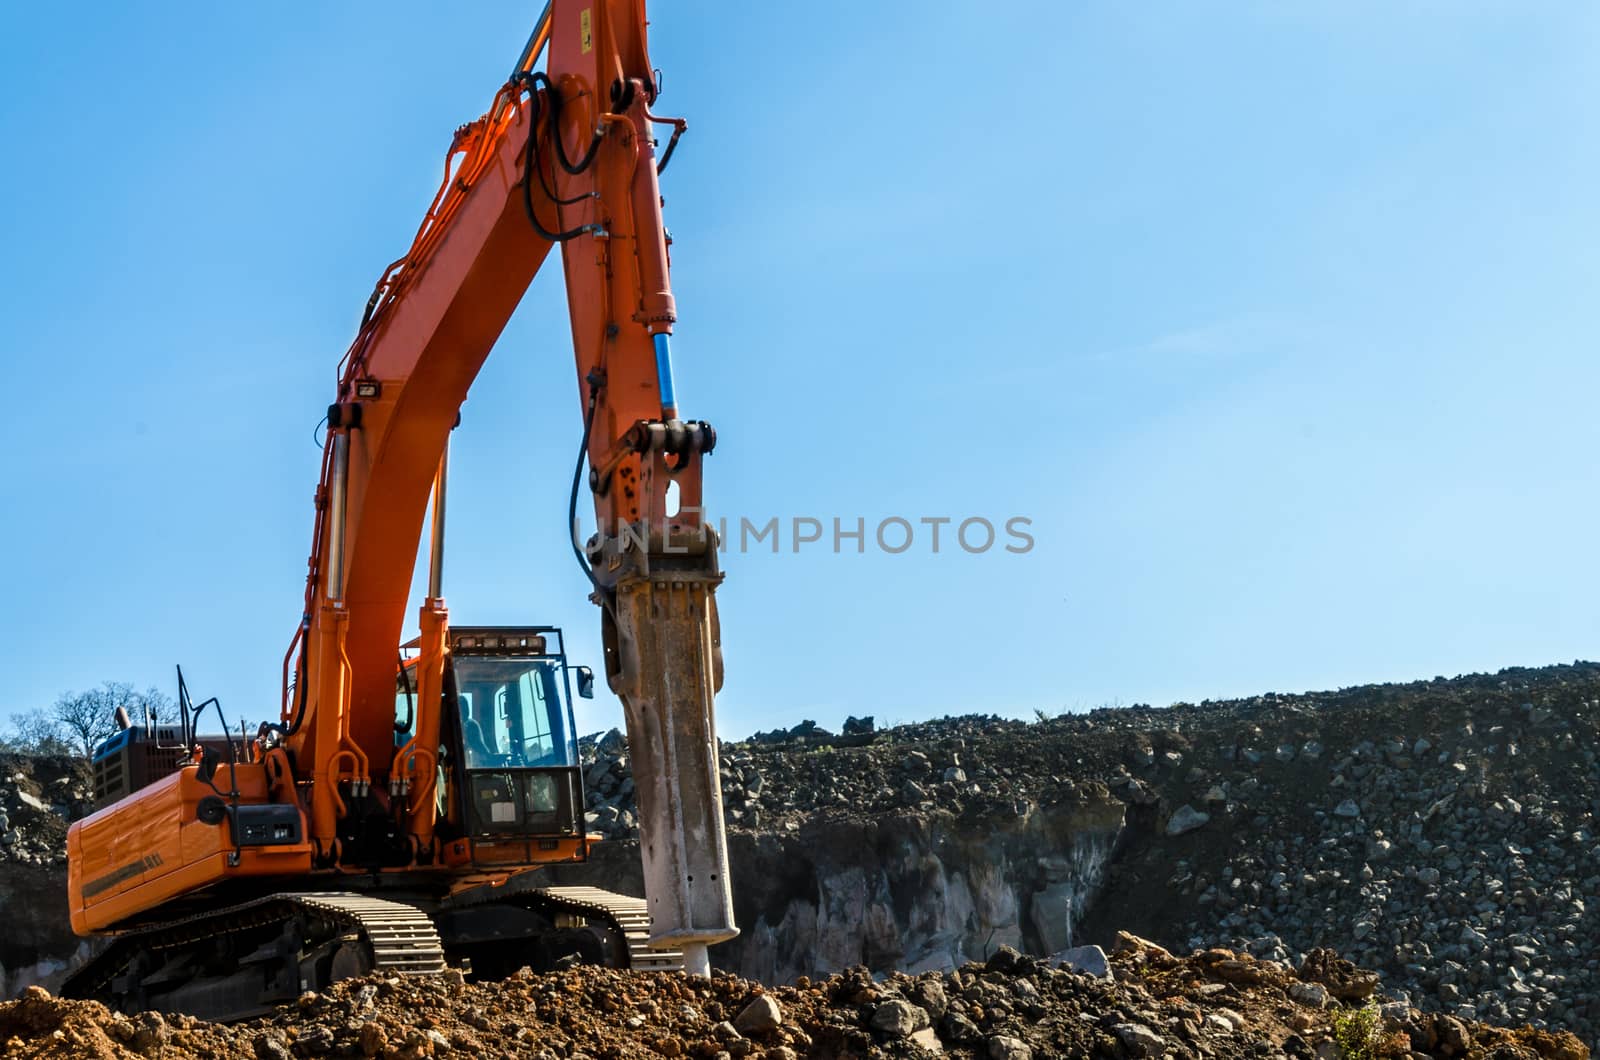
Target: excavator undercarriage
[[243, 960]]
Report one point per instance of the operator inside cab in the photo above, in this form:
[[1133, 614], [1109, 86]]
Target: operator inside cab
[[518, 745], [511, 750], [513, 714]]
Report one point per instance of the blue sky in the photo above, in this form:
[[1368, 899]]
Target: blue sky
[[1277, 321]]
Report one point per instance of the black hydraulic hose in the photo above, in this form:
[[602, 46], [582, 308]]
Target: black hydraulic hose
[[530, 166], [672, 145], [526, 80], [603, 596], [299, 686], [544, 185], [574, 169], [572, 498], [377, 293]]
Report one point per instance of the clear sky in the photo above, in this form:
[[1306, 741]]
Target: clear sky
[[1278, 321]]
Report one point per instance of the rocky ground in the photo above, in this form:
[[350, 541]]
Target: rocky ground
[[1140, 1003], [1441, 832]]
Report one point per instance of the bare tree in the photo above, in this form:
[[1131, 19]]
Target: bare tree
[[85, 719], [161, 707], [36, 732]]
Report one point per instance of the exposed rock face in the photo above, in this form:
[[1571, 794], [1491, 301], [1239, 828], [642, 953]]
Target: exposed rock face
[[917, 894], [37, 796], [914, 893]]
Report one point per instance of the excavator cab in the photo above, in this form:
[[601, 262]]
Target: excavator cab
[[516, 739]]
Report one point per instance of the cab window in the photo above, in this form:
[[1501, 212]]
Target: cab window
[[513, 713]]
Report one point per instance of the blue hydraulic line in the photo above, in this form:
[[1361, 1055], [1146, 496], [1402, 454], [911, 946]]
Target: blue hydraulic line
[[669, 401]]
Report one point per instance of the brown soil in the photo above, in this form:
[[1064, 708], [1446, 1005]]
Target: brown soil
[[1216, 1003]]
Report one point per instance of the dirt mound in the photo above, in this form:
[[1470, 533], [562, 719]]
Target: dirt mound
[[1141, 1002]]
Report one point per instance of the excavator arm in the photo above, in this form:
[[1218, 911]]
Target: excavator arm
[[566, 156]]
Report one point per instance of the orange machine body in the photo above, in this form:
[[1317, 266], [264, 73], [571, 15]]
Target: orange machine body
[[151, 851], [569, 157], [144, 852]]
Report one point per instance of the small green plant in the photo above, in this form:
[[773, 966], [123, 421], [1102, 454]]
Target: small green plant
[[1356, 1032]]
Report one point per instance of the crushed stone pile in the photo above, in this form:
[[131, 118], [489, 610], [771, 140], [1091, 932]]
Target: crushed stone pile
[[1140, 1002], [1441, 832], [38, 795]]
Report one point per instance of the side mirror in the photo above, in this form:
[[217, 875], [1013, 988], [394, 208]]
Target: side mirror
[[585, 682], [211, 810], [207, 768]]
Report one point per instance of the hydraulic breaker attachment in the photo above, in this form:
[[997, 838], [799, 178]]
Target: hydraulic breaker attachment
[[664, 659]]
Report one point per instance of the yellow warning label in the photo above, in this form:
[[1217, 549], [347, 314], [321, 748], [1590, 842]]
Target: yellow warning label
[[586, 30]]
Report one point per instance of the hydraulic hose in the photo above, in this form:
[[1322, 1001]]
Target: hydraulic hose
[[531, 168]]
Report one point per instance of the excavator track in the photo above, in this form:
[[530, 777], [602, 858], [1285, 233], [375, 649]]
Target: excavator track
[[242, 960], [401, 937], [138, 963], [628, 916]]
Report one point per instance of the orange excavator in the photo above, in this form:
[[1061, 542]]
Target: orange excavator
[[396, 815]]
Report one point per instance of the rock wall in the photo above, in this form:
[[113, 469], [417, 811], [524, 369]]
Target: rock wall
[[37, 797], [910, 893], [37, 945], [1442, 833]]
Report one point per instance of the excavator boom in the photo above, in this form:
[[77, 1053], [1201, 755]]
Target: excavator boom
[[565, 156]]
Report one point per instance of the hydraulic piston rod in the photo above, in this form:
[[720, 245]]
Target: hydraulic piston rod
[[436, 539]]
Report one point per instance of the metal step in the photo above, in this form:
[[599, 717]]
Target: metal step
[[401, 937]]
